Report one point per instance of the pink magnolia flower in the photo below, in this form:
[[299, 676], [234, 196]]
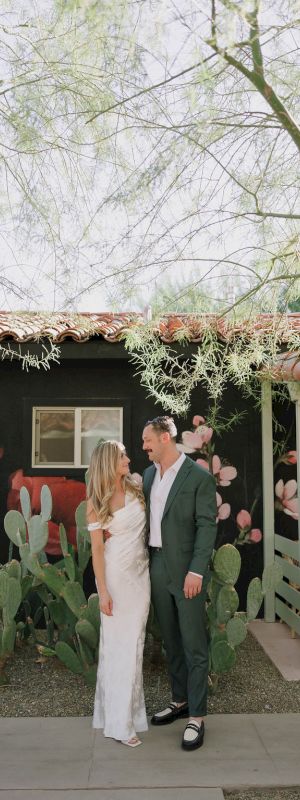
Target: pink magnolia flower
[[194, 440], [287, 498], [255, 535], [197, 420], [247, 533], [223, 475], [223, 509], [288, 458], [291, 457]]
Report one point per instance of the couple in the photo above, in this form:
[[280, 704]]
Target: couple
[[178, 508]]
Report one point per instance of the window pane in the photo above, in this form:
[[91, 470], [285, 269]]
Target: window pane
[[98, 424], [56, 437]]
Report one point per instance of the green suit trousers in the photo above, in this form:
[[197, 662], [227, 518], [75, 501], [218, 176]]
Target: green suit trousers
[[183, 627]]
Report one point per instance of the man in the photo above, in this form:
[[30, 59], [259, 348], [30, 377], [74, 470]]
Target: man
[[181, 513]]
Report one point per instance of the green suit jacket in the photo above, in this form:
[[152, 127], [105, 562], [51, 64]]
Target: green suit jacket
[[188, 525]]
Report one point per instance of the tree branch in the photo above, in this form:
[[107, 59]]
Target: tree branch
[[148, 89]]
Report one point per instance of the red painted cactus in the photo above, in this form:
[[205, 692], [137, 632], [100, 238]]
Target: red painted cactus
[[66, 496]]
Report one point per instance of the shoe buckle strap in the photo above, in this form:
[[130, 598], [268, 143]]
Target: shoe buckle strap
[[193, 726]]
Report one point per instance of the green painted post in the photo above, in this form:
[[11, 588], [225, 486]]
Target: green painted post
[[268, 490], [294, 390]]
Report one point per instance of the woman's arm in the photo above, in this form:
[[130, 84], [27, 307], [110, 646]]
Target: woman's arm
[[97, 543]]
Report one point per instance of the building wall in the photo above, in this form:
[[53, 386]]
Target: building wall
[[100, 371]]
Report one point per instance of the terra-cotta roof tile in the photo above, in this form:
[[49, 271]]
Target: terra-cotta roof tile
[[58, 326]]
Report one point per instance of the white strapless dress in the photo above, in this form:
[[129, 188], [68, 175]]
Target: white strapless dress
[[119, 699]]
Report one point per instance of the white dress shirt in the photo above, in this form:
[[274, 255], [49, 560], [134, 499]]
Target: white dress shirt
[[160, 490]]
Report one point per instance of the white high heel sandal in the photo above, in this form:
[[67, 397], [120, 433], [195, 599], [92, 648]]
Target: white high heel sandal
[[134, 742]]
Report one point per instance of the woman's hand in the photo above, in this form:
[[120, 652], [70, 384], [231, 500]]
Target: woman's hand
[[106, 603]]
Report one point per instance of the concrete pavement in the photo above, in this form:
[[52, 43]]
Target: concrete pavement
[[64, 758], [278, 643]]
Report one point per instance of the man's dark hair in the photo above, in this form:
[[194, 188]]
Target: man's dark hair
[[163, 424]]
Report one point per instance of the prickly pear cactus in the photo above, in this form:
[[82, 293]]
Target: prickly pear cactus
[[25, 503], [227, 564], [11, 595], [46, 503], [222, 656], [227, 603], [15, 527], [236, 631], [226, 625], [67, 655], [271, 577], [254, 598], [72, 622]]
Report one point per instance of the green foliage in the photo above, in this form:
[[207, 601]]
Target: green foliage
[[13, 590], [72, 622], [170, 375], [226, 625]]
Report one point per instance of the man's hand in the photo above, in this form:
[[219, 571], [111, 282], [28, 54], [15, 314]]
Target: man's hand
[[192, 585], [106, 603]]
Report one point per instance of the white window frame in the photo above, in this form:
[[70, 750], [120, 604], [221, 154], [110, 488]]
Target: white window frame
[[76, 464]]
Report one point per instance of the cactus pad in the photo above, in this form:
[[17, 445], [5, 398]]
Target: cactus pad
[[46, 503], [75, 598], [37, 533], [31, 561], [14, 569], [223, 656], [8, 638], [87, 632], [54, 579], [271, 577], [63, 540], [3, 587], [254, 598], [65, 654], [25, 503], [14, 523], [90, 676], [80, 516], [13, 599], [236, 631], [227, 563], [227, 603]]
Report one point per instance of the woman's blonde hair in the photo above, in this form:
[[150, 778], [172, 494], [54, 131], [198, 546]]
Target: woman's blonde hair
[[102, 479]]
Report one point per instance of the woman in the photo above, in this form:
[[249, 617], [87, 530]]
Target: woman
[[116, 521]]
